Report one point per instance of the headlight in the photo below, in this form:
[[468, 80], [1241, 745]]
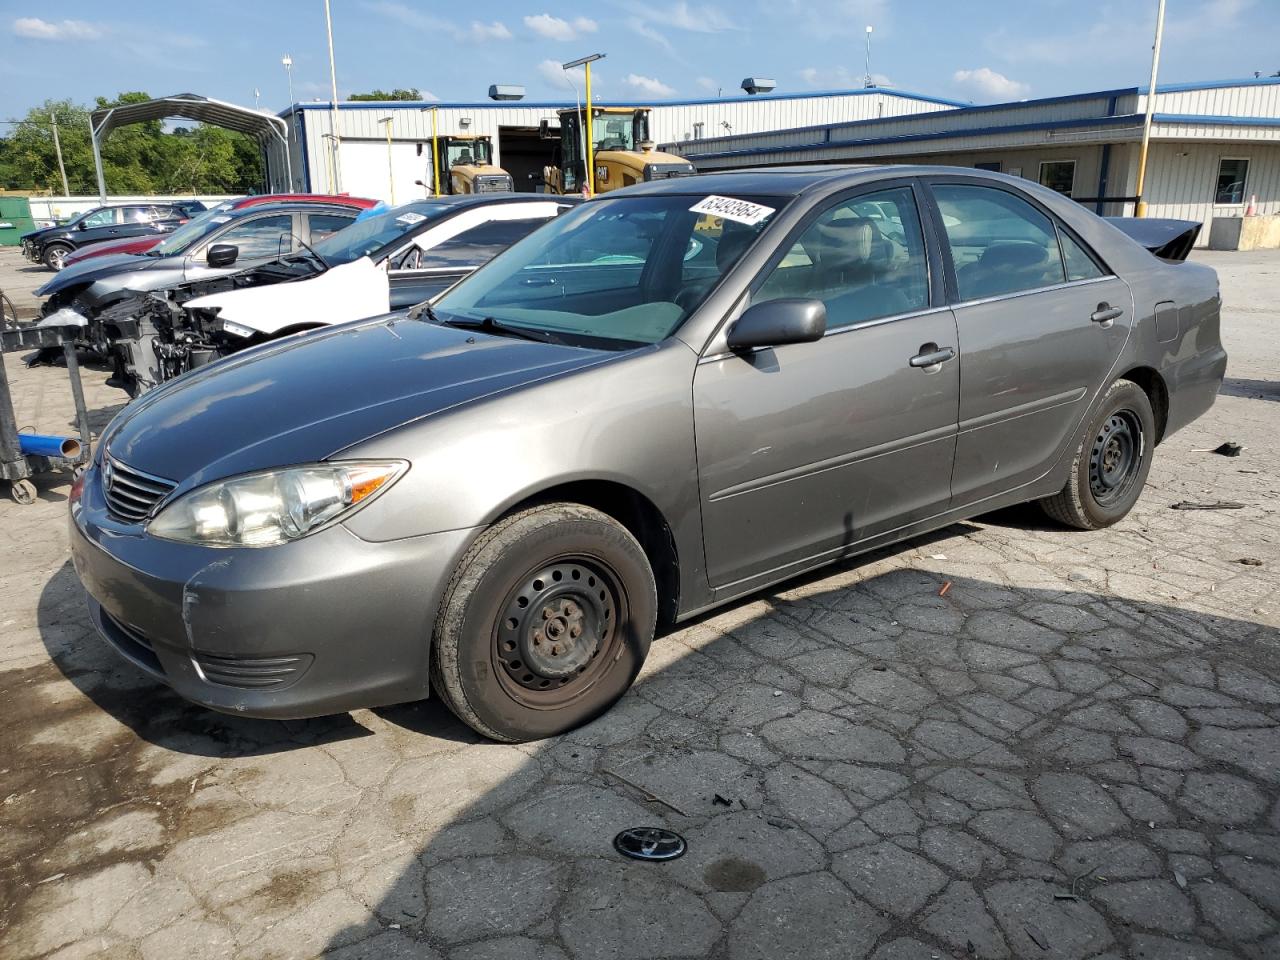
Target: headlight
[[275, 506]]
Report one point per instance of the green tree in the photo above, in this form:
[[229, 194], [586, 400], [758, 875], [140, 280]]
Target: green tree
[[138, 158], [397, 94]]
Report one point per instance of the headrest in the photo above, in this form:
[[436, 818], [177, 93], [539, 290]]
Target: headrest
[[730, 247], [849, 241], [1014, 253]]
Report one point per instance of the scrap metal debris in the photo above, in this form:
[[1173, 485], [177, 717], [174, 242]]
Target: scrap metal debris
[[721, 801], [1037, 936], [1249, 561], [648, 796], [1218, 505], [945, 587]]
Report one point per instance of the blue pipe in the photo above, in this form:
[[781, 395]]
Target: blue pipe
[[34, 445]]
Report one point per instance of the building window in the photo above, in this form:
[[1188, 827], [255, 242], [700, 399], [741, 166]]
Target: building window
[[992, 165], [1058, 175], [1232, 173]]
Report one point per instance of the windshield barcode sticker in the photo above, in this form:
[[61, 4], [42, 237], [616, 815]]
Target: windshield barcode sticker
[[740, 211], [410, 218]]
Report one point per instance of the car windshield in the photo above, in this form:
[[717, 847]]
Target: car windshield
[[190, 232], [624, 269], [373, 233]]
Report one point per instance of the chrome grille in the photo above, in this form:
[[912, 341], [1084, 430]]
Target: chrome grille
[[131, 495]]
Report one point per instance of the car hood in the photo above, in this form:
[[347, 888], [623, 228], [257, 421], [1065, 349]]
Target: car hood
[[96, 268], [305, 398], [44, 232]]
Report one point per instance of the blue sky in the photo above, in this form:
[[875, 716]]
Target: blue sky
[[979, 51]]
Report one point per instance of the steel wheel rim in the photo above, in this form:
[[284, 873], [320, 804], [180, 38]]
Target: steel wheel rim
[[1116, 457], [558, 631]]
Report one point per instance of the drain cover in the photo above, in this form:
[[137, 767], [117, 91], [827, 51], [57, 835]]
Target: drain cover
[[649, 843]]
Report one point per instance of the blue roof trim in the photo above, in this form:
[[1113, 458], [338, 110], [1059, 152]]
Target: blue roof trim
[[1214, 84], [1226, 121], [1129, 119], [561, 104]]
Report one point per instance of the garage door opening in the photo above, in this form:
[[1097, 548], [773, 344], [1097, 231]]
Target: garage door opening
[[523, 154]]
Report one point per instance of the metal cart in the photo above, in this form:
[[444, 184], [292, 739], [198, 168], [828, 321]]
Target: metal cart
[[15, 466]]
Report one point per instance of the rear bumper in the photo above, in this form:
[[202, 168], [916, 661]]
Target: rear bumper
[[1193, 386], [324, 625]]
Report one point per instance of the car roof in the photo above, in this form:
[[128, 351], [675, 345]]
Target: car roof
[[329, 199], [287, 206], [793, 181], [462, 201]]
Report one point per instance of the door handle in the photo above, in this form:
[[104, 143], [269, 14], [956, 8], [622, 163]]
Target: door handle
[[931, 355], [1106, 313]]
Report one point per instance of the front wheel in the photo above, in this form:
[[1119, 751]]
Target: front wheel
[[1111, 464], [55, 255], [545, 624]]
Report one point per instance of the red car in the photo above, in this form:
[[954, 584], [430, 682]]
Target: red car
[[143, 244]]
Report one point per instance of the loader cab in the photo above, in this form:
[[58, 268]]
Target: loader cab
[[468, 166], [623, 151]]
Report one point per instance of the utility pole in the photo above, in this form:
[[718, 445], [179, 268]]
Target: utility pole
[[333, 80], [866, 80], [586, 62], [1140, 208], [57, 148]]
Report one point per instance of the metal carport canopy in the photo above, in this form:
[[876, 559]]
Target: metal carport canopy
[[262, 126]]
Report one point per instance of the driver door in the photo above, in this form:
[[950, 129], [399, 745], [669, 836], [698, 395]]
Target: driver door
[[806, 450]]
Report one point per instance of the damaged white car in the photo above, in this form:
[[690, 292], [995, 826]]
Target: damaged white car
[[381, 263]]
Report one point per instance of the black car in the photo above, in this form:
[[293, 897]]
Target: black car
[[51, 245]]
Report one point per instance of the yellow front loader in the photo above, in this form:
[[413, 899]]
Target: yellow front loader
[[624, 153], [467, 166]]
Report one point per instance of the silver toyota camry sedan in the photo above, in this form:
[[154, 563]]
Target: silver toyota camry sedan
[[661, 401]]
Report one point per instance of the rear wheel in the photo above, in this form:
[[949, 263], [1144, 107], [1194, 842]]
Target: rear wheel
[[1111, 464], [54, 255], [545, 624]]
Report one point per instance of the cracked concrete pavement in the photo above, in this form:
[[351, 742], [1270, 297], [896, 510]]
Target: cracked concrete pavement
[[1071, 752]]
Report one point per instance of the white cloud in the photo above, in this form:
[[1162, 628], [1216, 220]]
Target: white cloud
[[36, 29], [641, 28], [694, 19], [648, 85], [706, 83], [553, 28], [428, 96], [480, 32], [477, 32], [552, 73], [989, 83]]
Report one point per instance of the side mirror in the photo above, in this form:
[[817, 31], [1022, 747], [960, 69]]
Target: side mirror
[[82, 225], [777, 322], [222, 255]]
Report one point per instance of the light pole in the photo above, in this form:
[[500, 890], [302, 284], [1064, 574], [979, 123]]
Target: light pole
[[391, 178], [287, 62], [57, 148], [333, 80], [866, 80], [586, 62], [1140, 207]]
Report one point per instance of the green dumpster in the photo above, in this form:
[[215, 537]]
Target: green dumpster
[[15, 220]]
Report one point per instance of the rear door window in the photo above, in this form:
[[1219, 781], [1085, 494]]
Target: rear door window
[[1000, 243], [324, 225]]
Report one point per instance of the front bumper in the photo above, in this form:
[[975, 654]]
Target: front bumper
[[323, 625]]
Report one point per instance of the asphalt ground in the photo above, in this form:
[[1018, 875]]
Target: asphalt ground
[[1071, 751]]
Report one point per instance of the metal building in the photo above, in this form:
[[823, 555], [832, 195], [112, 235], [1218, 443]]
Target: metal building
[[367, 165], [1214, 146]]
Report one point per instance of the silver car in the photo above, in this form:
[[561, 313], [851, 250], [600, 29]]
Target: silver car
[[662, 401]]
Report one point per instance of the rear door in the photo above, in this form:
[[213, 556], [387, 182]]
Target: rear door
[[1030, 302], [807, 449]]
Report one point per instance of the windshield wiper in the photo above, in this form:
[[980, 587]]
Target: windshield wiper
[[492, 325]]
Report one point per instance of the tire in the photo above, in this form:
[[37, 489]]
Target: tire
[[545, 624], [52, 255], [1111, 463]]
